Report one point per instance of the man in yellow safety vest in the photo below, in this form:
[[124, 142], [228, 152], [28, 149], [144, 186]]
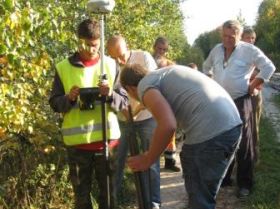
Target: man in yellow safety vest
[[82, 124]]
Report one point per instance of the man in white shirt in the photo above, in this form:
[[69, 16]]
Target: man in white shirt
[[144, 123], [231, 64]]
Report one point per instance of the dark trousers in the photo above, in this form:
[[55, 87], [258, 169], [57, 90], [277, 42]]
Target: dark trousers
[[245, 157], [82, 165]]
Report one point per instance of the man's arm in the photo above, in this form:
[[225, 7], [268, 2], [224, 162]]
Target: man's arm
[[207, 66], [119, 98], [264, 64], [166, 127], [59, 101]]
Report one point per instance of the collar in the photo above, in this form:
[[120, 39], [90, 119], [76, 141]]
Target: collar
[[76, 61]]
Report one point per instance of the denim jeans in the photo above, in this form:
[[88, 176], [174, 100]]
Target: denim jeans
[[204, 166], [144, 131]]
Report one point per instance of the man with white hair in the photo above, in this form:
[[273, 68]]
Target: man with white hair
[[231, 63], [144, 123]]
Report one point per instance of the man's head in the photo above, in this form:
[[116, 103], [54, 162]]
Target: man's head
[[130, 77], [192, 65], [231, 33], [89, 39], [249, 35], [160, 47], [117, 49]]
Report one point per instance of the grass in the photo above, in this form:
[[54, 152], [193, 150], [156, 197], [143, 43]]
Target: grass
[[127, 197], [32, 179], [276, 100], [266, 194]]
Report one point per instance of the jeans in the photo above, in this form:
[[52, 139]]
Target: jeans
[[204, 166], [144, 131], [82, 165]]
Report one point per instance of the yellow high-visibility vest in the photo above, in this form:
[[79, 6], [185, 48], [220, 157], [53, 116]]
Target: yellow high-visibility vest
[[84, 127]]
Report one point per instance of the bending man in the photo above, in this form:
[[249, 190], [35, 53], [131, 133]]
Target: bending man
[[180, 96]]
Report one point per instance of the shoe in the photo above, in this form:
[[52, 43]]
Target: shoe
[[227, 183], [170, 164], [173, 168], [156, 205], [243, 193]]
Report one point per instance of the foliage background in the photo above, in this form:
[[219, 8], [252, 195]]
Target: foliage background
[[34, 36], [268, 31], [37, 34]]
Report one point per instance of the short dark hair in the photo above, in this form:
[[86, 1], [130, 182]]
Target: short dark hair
[[160, 40], [192, 65], [131, 75], [89, 29]]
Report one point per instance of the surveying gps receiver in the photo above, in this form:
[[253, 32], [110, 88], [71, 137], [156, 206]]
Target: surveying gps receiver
[[100, 6]]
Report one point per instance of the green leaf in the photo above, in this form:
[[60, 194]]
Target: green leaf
[[3, 49], [9, 4], [11, 58]]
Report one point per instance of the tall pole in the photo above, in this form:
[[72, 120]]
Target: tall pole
[[143, 196], [102, 45], [103, 78], [103, 7]]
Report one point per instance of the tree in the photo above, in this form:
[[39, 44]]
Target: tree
[[207, 41], [268, 32], [34, 36], [148, 20]]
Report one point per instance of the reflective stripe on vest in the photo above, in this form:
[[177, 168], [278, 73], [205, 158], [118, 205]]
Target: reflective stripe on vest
[[83, 127]]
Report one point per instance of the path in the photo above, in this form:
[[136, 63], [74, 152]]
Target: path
[[174, 196], [269, 108], [173, 192], [172, 189]]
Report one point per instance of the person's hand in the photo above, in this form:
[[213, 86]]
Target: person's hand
[[254, 86], [74, 93], [125, 113], [138, 109], [104, 88], [253, 91], [139, 162]]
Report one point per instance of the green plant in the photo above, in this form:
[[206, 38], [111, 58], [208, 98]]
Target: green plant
[[266, 194]]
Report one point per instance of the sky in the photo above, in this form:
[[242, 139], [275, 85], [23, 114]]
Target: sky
[[206, 15]]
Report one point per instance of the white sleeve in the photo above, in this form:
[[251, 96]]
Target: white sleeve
[[264, 64], [208, 65], [149, 61]]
